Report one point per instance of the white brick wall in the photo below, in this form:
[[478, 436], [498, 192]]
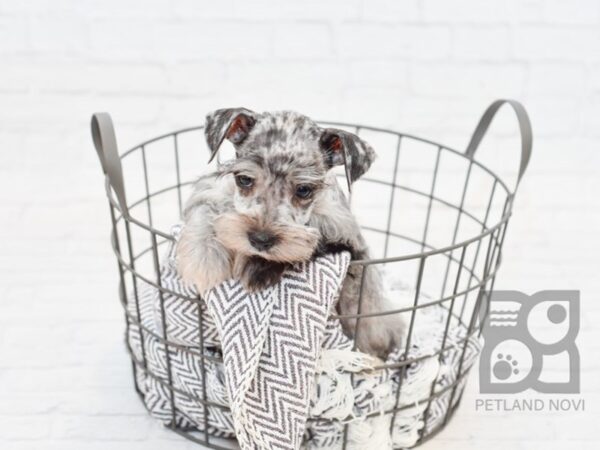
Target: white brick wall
[[427, 67]]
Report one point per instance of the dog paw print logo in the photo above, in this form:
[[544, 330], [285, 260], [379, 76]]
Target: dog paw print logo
[[529, 342]]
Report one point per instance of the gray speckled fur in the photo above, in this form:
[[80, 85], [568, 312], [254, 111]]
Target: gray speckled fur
[[281, 150]]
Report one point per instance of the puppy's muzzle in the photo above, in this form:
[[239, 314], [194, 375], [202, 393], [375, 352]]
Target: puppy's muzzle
[[262, 240], [250, 236]]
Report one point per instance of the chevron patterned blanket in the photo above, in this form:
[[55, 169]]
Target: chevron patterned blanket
[[270, 343], [279, 373]]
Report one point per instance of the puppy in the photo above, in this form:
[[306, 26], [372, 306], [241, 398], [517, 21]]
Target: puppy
[[278, 203]]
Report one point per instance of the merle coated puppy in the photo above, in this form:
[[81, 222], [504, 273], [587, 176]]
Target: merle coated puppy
[[277, 203]]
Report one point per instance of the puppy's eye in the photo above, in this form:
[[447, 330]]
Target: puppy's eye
[[244, 181], [304, 191]]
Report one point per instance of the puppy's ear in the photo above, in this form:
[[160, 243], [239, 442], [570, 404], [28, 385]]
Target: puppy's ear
[[233, 124], [341, 147]]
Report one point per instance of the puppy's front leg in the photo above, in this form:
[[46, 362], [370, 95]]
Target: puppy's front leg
[[378, 335], [201, 259]]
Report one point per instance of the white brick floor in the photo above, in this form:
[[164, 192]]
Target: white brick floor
[[427, 67]]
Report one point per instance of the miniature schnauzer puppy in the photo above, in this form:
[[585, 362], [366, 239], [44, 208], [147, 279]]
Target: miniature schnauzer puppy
[[277, 203]]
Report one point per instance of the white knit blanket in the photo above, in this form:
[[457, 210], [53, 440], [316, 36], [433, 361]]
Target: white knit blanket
[[279, 374]]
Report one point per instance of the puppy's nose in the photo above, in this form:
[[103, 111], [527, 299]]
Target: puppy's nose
[[261, 240]]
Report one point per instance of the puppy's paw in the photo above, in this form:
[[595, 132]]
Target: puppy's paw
[[326, 247], [382, 335], [256, 273], [207, 279], [202, 264]]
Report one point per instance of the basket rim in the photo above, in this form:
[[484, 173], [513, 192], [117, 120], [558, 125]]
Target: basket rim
[[363, 262]]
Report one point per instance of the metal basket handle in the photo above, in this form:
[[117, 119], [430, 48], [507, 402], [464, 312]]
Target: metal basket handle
[[103, 134], [524, 127]]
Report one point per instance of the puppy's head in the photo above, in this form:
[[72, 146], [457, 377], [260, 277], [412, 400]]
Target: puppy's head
[[280, 170]]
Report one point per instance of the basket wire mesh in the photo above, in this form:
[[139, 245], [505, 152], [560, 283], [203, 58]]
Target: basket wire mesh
[[408, 203]]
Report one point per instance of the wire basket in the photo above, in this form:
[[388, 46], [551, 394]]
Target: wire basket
[[433, 214]]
